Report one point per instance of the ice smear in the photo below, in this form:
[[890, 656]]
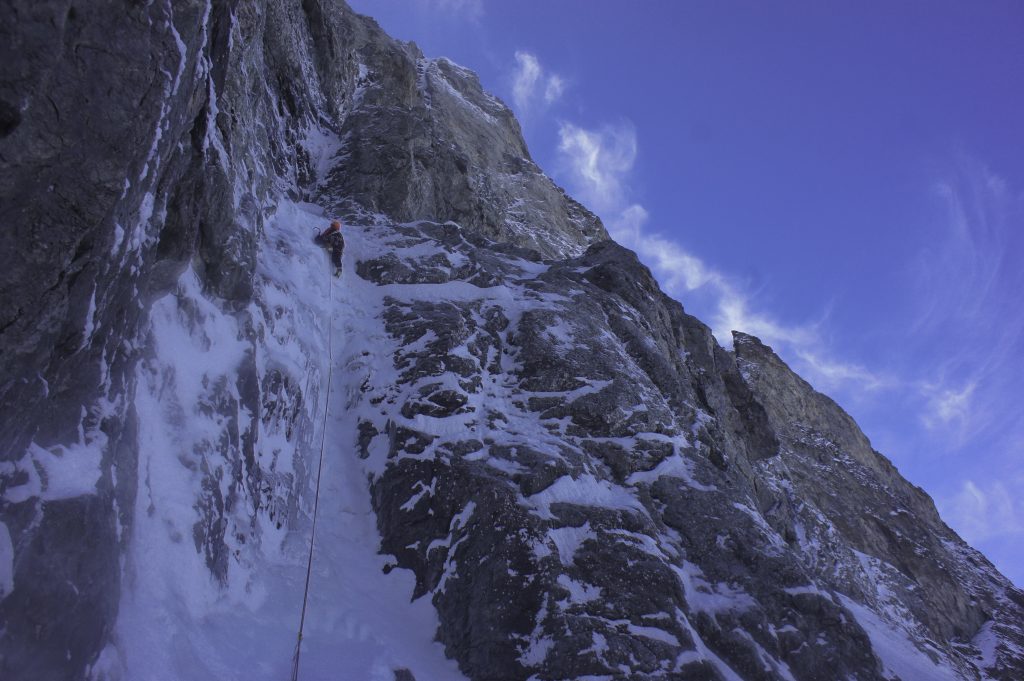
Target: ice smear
[[586, 490], [175, 622], [60, 472], [703, 596], [894, 648], [90, 320], [702, 652], [569, 539], [579, 592], [808, 589], [323, 148], [674, 466], [985, 641], [6, 562]]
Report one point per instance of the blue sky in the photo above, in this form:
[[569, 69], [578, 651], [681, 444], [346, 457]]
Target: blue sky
[[844, 180]]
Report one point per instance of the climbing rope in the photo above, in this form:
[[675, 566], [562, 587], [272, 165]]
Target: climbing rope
[[319, 470]]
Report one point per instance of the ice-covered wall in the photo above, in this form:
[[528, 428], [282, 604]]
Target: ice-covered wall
[[145, 153], [146, 350]]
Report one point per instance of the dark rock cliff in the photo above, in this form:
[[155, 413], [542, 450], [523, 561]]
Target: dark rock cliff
[[655, 503], [613, 494]]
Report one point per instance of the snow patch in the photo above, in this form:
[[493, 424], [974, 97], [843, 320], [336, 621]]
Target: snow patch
[[585, 490], [360, 618], [59, 472], [704, 596], [578, 591], [894, 648], [568, 540], [674, 466], [985, 641]]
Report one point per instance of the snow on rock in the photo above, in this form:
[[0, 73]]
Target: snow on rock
[[360, 617], [899, 655]]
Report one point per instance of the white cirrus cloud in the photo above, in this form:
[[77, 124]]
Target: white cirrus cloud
[[982, 511], [531, 82], [968, 281], [958, 367], [469, 9], [598, 163], [830, 373], [554, 88], [948, 407]]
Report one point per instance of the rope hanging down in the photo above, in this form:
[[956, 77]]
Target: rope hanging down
[[319, 470]]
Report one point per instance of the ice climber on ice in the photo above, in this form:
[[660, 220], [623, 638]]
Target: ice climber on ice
[[331, 238]]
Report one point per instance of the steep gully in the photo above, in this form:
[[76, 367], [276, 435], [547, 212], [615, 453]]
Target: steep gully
[[360, 620]]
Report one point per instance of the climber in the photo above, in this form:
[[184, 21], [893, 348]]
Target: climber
[[331, 238]]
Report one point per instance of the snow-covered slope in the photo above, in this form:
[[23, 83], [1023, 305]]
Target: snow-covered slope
[[535, 464], [231, 610], [542, 481]]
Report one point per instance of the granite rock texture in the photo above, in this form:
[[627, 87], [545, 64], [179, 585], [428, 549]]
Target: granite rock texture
[[612, 494]]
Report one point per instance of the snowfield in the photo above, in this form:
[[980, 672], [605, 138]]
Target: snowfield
[[176, 622]]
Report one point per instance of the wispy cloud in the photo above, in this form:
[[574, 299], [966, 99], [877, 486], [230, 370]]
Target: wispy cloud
[[966, 274], [969, 281], [957, 367], [948, 407], [966, 264], [599, 163], [554, 88], [532, 84], [681, 273], [524, 81], [980, 512], [472, 10], [829, 373]]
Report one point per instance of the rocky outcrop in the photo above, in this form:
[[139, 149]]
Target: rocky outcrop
[[451, 151], [848, 496], [659, 507], [97, 103], [582, 481], [140, 144]]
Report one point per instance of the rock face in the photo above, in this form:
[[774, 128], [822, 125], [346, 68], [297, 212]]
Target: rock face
[[658, 506], [583, 482]]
